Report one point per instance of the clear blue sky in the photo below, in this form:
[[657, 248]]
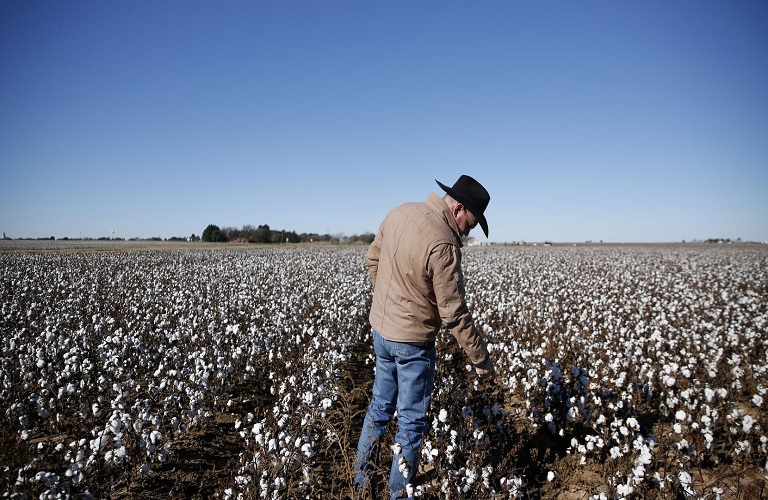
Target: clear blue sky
[[637, 121]]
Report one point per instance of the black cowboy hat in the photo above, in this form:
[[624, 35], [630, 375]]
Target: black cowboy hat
[[472, 195]]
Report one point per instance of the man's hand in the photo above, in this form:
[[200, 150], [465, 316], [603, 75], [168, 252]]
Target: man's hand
[[487, 370]]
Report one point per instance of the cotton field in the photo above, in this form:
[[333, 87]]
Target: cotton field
[[244, 372]]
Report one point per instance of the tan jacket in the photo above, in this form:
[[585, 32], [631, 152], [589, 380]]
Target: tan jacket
[[418, 285]]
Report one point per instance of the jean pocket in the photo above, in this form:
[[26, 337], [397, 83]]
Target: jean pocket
[[411, 350]]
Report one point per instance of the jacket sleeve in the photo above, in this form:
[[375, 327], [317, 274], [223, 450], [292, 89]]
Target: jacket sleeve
[[444, 266], [372, 257]]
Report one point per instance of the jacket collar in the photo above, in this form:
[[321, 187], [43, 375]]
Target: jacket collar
[[436, 202]]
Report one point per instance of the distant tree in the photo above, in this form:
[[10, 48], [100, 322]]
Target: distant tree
[[248, 232], [366, 238], [232, 234], [263, 234], [213, 233], [309, 237], [208, 232]]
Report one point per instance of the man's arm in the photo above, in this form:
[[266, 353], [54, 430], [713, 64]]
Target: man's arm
[[372, 257], [448, 284]]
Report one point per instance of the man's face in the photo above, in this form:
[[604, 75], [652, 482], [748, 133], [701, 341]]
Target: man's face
[[466, 221]]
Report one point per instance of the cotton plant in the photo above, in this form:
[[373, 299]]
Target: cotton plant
[[560, 397], [111, 349]]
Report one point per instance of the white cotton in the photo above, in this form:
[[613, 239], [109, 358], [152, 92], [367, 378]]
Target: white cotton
[[644, 458], [443, 415], [600, 420], [709, 394], [746, 423], [624, 490], [155, 437], [638, 472], [624, 431], [402, 466], [686, 482]]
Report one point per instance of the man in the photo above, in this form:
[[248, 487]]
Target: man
[[414, 264]]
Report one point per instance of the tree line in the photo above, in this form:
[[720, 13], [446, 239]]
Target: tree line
[[263, 234]]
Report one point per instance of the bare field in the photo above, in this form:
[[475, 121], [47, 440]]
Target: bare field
[[153, 370]]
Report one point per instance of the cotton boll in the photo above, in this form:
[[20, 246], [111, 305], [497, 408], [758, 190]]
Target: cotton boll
[[402, 466], [99, 443], [119, 455], [115, 426], [155, 437], [743, 446], [284, 439], [573, 414], [600, 420], [686, 482], [283, 420], [709, 439], [550, 476], [746, 423]]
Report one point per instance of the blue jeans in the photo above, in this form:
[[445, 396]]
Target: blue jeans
[[405, 375]]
